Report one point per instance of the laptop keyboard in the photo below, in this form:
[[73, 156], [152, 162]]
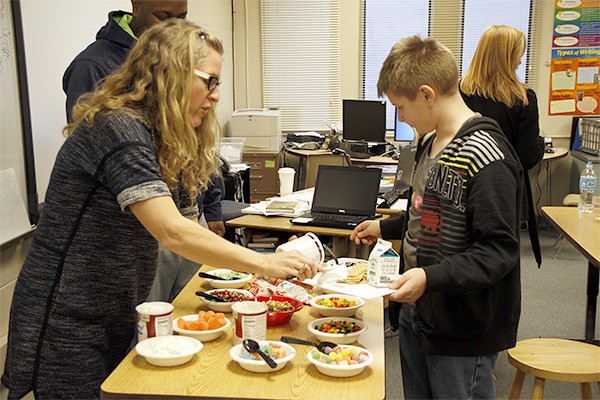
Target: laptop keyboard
[[342, 218]]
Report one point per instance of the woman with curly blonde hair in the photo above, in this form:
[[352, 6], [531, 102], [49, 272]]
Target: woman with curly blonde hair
[[491, 87], [138, 153]]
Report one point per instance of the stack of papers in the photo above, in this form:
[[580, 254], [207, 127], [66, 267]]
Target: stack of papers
[[301, 199], [285, 206]]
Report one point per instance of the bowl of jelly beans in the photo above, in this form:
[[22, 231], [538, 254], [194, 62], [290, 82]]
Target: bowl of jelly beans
[[341, 361], [337, 330]]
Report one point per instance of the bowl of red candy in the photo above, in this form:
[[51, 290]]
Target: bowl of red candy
[[281, 308]]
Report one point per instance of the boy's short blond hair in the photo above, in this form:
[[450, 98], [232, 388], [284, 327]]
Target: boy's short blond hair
[[413, 62]]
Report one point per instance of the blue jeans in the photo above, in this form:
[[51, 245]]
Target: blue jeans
[[427, 376]]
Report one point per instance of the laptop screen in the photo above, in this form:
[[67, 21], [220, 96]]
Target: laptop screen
[[346, 190]]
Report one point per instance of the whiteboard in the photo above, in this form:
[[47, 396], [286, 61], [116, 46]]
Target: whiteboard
[[11, 142]]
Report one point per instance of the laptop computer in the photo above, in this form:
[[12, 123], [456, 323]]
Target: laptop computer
[[344, 197], [402, 182]]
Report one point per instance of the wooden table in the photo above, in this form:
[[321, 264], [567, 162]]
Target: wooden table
[[212, 374], [583, 231]]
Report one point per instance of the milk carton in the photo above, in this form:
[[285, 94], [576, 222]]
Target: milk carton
[[384, 264]]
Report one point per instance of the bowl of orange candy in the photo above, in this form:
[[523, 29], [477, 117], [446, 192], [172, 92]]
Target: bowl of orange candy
[[204, 326]]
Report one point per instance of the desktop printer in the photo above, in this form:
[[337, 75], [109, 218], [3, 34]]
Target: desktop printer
[[260, 126]]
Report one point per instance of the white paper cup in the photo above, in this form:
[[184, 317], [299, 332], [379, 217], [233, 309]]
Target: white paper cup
[[154, 319], [309, 245], [249, 321], [286, 180]]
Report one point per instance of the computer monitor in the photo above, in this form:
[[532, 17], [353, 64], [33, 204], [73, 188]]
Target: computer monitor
[[403, 132], [364, 120]]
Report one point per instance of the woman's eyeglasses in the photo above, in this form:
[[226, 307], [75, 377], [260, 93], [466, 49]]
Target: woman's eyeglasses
[[211, 81]]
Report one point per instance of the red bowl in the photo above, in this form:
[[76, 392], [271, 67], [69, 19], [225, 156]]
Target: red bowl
[[281, 317]]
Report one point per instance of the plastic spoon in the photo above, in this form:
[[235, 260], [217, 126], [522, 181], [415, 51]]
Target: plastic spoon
[[321, 346], [252, 346]]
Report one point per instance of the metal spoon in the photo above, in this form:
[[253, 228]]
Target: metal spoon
[[252, 346], [210, 297], [321, 346], [217, 278]]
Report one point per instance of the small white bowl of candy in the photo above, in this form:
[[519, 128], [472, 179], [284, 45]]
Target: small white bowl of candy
[[280, 352], [337, 330], [168, 351], [341, 361], [204, 326], [336, 305]]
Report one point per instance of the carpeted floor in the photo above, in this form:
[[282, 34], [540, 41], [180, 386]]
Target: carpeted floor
[[553, 305]]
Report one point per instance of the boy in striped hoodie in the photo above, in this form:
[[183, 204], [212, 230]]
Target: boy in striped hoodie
[[460, 234]]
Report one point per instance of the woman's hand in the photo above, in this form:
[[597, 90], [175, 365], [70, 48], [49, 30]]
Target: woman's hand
[[290, 263], [366, 233]]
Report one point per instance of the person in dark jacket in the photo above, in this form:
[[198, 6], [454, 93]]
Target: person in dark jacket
[[492, 88], [461, 277], [96, 62]]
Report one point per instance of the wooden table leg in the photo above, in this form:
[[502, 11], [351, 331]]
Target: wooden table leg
[[517, 386], [538, 389], [592, 296], [586, 390]]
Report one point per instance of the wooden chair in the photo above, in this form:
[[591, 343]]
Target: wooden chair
[[555, 359]]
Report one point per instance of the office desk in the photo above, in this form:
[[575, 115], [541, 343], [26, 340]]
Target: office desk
[[306, 163], [212, 374], [583, 231], [341, 243]]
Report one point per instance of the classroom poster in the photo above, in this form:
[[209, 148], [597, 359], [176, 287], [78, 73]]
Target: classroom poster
[[575, 64]]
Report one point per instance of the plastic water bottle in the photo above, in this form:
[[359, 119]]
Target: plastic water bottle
[[587, 186]]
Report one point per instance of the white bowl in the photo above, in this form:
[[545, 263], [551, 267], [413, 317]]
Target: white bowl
[[234, 284], [260, 365], [334, 311], [226, 306], [168, 351], [203, 336], [337, 338], [341, 371]]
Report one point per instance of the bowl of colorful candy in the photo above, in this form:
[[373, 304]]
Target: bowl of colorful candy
[[229, 296], [336, 305], [234, 279], [168, 351], [204, 326], [280, 352], [337, 330], [341, 361], [281, 308]]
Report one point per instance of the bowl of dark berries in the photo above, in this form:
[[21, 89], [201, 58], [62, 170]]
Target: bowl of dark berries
[[228, 297]]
